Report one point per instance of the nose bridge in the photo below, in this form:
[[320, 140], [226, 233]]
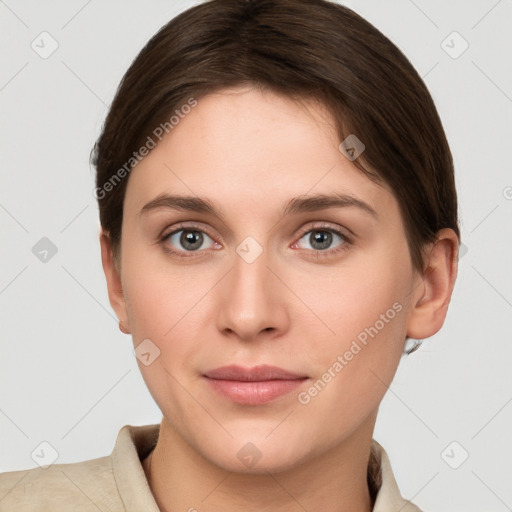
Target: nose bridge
[[250, 273], [251, 302]]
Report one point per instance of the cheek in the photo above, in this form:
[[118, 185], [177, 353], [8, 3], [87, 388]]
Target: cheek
[[365, 307], [163, 311], [171, 306], [159, 295], [164, 305], [351, 301]]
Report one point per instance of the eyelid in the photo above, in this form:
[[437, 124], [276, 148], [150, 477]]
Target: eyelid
[[313, 226], [186, 225], [327, 253], [322, 225]]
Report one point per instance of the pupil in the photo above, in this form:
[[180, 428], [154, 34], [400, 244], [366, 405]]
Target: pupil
[[191, 240], [320, 239]]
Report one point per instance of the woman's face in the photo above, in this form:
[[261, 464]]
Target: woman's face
[[228, 259]]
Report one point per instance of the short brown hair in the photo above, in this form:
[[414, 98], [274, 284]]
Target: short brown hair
[[303, 49]]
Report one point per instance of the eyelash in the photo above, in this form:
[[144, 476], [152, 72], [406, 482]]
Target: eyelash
[[347, 241]]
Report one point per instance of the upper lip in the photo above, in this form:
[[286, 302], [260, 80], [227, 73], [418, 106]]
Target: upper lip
[[254, 374]]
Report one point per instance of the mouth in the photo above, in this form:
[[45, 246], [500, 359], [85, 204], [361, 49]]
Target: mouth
[[253, 386]]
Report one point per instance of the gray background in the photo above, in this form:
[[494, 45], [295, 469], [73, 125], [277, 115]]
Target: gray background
[[69, 377]]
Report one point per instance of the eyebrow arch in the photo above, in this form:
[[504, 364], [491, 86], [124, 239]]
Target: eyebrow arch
[[324, 201], [295, 205]]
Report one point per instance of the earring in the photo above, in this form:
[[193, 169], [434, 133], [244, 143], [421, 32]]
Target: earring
[[411, 345]]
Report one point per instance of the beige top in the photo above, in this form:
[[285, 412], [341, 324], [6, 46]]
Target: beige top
[[117, 483]]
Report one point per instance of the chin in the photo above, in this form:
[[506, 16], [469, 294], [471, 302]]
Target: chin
[[254, 462], [255, 454]]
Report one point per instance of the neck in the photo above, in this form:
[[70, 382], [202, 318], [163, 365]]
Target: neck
[[335, 481]]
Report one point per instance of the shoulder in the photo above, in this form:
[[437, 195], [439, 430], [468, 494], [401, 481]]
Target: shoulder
[[88, 485], [106, 484]]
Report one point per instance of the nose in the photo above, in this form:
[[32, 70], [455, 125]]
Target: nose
[[253, 302]]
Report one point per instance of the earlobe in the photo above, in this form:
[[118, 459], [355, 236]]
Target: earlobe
[[433, 292], [114, 285]]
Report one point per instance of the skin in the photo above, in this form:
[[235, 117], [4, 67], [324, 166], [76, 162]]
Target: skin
[[296, 307]]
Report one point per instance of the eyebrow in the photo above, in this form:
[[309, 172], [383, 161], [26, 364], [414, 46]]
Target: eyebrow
[[295, 205]]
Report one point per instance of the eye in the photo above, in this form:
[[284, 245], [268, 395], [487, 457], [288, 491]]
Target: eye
[[321, 239], [187, 240]]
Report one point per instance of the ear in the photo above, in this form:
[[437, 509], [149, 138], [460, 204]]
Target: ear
[[434, 287], [114, 286]]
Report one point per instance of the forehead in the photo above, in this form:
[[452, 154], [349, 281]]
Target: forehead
[[242, 145]]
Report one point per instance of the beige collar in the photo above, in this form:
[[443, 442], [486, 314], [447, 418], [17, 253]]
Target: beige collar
[[134, 443]]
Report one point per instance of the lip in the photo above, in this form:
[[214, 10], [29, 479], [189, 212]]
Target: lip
[[253, 386]]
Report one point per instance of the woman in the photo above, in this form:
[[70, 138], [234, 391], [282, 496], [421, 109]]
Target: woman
[[279, 218]]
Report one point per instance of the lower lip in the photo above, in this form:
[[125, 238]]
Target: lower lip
[[254, 393]]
